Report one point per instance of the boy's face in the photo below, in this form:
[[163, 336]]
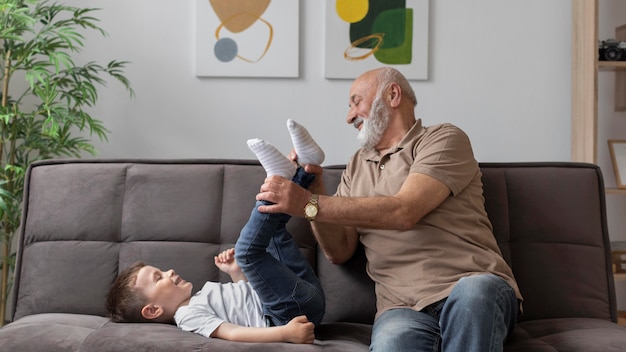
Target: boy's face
[[163, 289]]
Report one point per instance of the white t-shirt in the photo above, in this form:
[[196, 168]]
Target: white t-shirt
[[215, 303]]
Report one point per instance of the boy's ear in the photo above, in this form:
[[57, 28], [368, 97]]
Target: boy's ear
[[150, 311]]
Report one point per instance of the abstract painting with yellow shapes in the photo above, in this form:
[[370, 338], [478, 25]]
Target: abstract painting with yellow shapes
[[243, 38], [365, 34]]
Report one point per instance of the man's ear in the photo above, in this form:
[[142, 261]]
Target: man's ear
[[395, 94], [150, 311]]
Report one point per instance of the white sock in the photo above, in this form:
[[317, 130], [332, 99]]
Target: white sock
[[308, 151], [272, 160]]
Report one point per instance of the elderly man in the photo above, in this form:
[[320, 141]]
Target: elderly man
[[412, 195]]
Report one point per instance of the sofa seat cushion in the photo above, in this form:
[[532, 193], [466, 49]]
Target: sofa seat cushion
[[139, 337], [348, 334], [146, 337], [567, 335], [49, 332]]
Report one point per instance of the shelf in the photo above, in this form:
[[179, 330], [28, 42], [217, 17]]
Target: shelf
[[619, 276], [585, 68], [615, 191], [611, 65]]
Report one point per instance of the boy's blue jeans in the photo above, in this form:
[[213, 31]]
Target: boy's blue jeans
[[275, 267], [477, 317]]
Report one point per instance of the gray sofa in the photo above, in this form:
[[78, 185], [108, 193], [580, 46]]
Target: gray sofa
[[84, 220]]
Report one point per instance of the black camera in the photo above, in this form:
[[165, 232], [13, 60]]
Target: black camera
[[612, 50]]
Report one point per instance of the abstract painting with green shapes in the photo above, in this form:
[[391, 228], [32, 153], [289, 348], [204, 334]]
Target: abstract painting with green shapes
[[364, 34]]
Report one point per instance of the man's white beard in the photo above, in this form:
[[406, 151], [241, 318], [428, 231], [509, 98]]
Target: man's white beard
[[375, 125]]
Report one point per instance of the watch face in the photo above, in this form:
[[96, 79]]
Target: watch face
[[310, 210]]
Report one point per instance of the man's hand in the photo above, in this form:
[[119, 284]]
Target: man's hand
[[287, 196], [300, 330], [225, 261]]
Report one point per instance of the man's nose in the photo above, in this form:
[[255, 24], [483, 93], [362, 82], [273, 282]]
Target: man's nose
[[351, 117]]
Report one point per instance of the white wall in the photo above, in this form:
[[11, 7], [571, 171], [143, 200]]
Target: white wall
[[498, 69], [501, 70]]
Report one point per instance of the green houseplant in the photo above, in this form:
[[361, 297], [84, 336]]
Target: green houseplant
[[45, 99]]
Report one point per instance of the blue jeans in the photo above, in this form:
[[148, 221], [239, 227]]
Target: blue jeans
[[276, 268], [477, 317]]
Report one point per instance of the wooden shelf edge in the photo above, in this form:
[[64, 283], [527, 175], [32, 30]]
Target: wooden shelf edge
[[621, 317], [615, 191], [584, 80], [611, 65]]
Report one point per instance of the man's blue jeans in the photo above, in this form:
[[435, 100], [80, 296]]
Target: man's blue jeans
[[477, 317], [276, 268]]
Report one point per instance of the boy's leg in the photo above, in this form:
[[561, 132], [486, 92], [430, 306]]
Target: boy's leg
[[308, 151], [272, 160], [306, 148], [269, 256], [282, 245], [276, 268]]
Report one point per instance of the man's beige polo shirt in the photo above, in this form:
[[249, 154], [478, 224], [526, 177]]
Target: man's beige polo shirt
[[418, 267]]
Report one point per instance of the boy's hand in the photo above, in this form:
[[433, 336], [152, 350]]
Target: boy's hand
[[300, 330], [225, 261]]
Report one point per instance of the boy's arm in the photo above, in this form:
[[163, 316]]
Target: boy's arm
[[225, 261], [298, 330]]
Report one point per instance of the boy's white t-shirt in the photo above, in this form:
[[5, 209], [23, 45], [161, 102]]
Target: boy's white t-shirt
[[215, 303]]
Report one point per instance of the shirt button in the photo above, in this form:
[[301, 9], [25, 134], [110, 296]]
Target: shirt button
[[382, 167]]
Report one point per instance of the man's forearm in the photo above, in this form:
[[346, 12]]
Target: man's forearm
[[336, 223], [368, 212], [419, 195], [337, 242]]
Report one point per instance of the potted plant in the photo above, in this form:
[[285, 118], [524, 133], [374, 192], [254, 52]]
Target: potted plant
[[46, 97]]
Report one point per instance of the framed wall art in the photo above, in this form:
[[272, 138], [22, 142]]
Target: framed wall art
[[241, 38], [618, 157], [365, 34]]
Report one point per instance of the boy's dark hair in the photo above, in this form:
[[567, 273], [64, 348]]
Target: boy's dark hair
[[124, 301]]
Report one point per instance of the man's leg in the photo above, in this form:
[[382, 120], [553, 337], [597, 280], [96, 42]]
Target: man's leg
[[404, 329], [478, 315]]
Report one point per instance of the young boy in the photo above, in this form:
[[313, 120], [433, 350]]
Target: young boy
[[274, 296]]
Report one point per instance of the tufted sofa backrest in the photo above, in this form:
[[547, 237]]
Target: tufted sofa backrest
[[550, 223], [85, 220]]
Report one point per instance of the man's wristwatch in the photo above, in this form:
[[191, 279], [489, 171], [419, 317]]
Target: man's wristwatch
[[311, 208]]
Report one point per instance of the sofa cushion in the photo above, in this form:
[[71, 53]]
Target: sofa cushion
[[567, 334], [357, 307], [49, 332], [550, 223], [142, 337], [76, 276]]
